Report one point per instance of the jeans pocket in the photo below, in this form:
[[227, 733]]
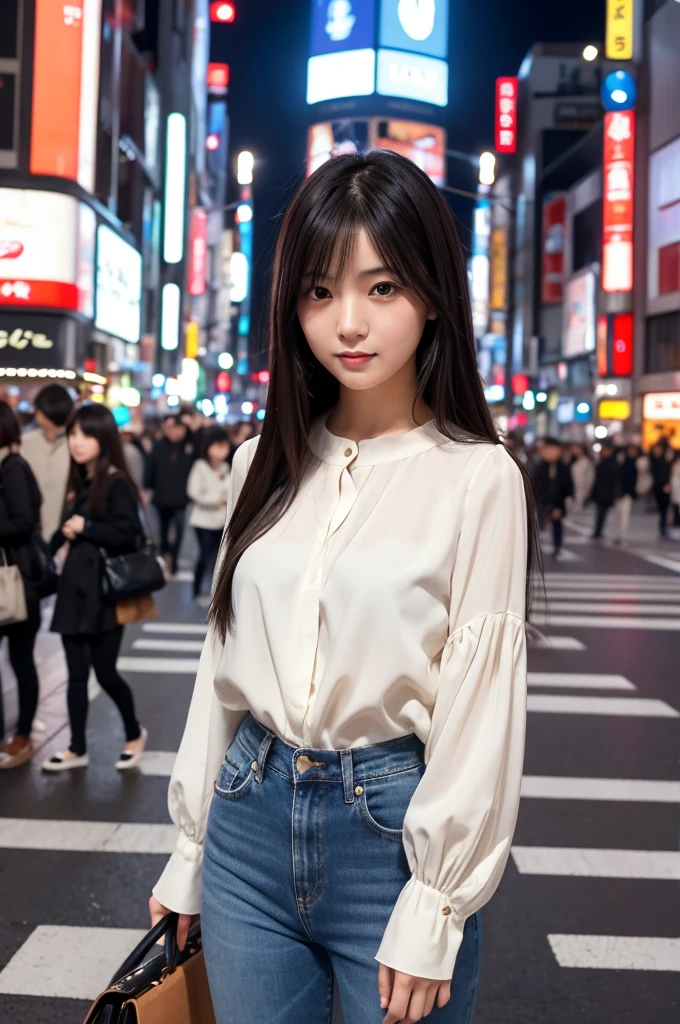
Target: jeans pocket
[[235, 775], [384, 801]]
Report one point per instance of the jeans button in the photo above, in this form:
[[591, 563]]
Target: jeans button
[[358, 790]]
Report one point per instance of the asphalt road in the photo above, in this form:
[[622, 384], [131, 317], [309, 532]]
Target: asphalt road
[[586, 922]]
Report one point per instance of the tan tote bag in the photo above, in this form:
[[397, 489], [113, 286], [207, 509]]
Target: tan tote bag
[[12, 593]]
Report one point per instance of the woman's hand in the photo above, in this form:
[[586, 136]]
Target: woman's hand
[[408, 999], [186, 921], [72, 527]]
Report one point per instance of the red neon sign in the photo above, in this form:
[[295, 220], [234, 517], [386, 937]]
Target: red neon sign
[[53, 294], [618, 196], [224, 12], [622, 345], [506, 115], [552, 269], [218, 76]]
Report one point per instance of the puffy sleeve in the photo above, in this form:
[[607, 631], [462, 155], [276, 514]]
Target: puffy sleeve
[[460, 822], [209, 730]]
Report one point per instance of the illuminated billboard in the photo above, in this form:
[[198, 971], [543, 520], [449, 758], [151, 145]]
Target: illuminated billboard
[[424, 144], [419, 26], [46, 250], [119, 286], [397, 48], [342, 25]]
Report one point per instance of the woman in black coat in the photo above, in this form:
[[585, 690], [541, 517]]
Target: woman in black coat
[[19, 524], [102, 516]]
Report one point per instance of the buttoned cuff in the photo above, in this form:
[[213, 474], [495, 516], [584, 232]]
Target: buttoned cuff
[[423, 934], [179, 887]]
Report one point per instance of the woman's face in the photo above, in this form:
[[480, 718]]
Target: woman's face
[[83, 449], [217, 452], [368, 310]]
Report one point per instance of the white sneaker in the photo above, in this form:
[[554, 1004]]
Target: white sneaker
[[63, 763], [129, 760]]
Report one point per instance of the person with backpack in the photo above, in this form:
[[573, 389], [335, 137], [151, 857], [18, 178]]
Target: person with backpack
[[20, 503]]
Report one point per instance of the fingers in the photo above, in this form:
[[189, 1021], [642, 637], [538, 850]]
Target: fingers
[[385, 982], [185, 921], [443, 994]]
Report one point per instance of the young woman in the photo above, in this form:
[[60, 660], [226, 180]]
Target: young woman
[[364, 668], [20, 503], [102, 515], [207, 488]]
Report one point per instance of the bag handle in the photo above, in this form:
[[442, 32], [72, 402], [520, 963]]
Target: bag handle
[[167, 927]]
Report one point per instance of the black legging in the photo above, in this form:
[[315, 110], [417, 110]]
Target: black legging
[[101, 652], [21, 640], [663, 500], [208, 548]]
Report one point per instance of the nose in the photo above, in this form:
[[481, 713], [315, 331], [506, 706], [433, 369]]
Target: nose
[[352, 324]]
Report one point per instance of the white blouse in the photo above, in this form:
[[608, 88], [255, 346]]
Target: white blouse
[[389, 599]]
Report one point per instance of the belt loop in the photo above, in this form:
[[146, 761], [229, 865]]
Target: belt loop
[[262, 755], [347, 766]]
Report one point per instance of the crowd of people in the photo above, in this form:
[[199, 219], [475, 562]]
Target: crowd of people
[[73, 489], [570, 477]]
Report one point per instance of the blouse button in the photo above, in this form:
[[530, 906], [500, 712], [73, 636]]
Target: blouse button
[[348, 452], [446, 911], [358, 790]]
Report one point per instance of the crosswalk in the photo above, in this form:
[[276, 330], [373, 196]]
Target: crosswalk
[[566, 696]]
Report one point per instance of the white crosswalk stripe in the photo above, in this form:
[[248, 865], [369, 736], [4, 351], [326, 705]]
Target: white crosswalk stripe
[[158, 666], [637, 707], [580, 680], [67, 962], [194, 628], [142, 644], [556, 643], [616, 952], [553, 787], [551, 860]]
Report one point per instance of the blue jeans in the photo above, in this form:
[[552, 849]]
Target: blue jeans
[[302, 868]]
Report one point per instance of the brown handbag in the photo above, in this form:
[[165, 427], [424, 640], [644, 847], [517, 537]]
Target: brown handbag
[[168, 987], [136, 609]]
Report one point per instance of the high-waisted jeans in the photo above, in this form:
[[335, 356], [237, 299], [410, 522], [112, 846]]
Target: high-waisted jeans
[[302, 868]]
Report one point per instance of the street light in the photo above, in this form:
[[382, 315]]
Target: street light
[[487, 169], [244, 168], [590, 52]]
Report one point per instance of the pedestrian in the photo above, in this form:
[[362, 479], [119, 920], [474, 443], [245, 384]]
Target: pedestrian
[[45, 449], [553, 484], [583, 475], [606, 488], [102, 516], [207, 488], [660, 460], [629, 484], [167, 473], [134, 456], [675, 489], [238, 435], [367, 620], [19, 522]]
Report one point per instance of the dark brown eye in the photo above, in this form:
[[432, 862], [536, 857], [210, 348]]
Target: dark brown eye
[[384, 288]]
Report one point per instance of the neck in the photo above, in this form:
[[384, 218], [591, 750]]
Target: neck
[[384, 409], [51, 432], [90, 467], [215, 463]]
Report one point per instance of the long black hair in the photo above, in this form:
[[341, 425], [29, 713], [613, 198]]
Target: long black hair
[[412, 229], [97, 421], [10, 430]]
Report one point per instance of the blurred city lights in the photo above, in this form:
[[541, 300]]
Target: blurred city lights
[[601, 432], [244, 213], [175, 182], [590, 52], [212, 142], [260, 414], [244, 168], [487, 169], [158, 380], [222, 12], [541, 397], [170, 317], [225, 360], [247, 408]]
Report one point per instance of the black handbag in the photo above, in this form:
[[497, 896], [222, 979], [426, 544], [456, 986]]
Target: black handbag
[[132, 575], [168, 987]]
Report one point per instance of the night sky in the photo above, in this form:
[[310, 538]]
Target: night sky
[[266, 49]]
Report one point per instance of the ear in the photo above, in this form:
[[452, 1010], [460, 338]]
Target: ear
[[431, 316]]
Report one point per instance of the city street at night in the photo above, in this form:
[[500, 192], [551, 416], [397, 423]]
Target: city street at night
[[586, 916]]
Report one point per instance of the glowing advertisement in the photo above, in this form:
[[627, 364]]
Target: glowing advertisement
[[64, 105], [424, 144], [552, 261], [46, 251], [580, 334], [342, 25], [506, 115], [119, 286], [620, 30], [663, 231], [617, 201], [419, 26], [334, 75], [413, 77]]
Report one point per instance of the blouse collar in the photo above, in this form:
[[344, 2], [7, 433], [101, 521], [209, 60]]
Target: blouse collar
[[341, 451]]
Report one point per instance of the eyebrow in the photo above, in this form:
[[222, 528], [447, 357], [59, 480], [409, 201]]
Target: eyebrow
[[362, 273]]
